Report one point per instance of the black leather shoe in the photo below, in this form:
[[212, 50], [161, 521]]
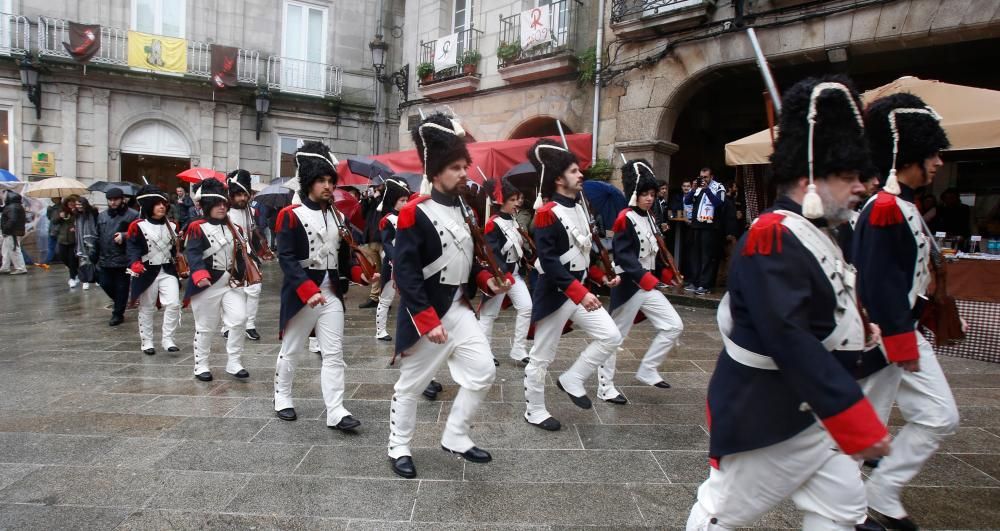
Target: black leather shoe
[[387, 337], [549, 424], [286, 414], [243, 374], [582, 402], [869, 525], [116, 320], [872, 463], [436, 385], [252, 334], [173, 348], [617, 399], [525, 360], [347, 423], [403, 467], [149, 351], [226, 334], [902, 524], [205, 376], [473, 455], [368, 304], [433, 388], [496, 362], [662, 385]]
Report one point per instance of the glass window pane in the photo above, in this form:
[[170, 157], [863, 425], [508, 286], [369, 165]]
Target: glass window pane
[[4, 140], [316, 38], [293, 32], [172, 16], [145, 18]]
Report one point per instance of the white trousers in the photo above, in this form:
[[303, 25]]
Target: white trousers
[[165, 288], [606, 339], [252, 295], [382, 311], [470, 362], [328, 321], [219, 300], [521, 300], [12, 258], [822, 482], [928, 407], [667, 322]]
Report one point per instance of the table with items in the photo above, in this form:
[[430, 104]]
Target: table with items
[[974, 282]]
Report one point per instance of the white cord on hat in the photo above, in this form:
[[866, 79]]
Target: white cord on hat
[[541, 174], [635, 167], [812, 205], [892, 182], [458, 130]]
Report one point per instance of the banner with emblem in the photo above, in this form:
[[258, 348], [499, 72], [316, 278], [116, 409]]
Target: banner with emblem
[[84, 41], [156, 52], [224, 66], [446, 52], [536, 27]]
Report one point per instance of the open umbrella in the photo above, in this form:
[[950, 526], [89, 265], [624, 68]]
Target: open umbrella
[[275, 196], [606, 200], [9, 181], [349, 206], [56, 187], [371, 169], [412, 180], [196, 175], [127, 188]]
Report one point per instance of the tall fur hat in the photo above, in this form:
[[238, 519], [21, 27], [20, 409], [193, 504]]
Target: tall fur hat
[[821, 132], [314, 160], [501, 193], [148, 197], [210, 193], [440, 140], [239, 182], [638, 178], [902, 130], [550, 160], [395, 188]]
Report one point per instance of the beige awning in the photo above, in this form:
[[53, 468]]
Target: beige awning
[[970, 116]]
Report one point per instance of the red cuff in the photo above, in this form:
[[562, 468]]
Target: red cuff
[[648, 282], [901, 347], [199, 275], [510, 279], [426, 320], [576, 292], [306, 290], [482, 280], [856, 428], [667, 276], [356, 276], [137, 268], [596, 274]]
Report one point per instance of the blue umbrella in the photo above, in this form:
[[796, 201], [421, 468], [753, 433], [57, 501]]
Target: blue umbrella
[[6, 176], [9, 181], [606, 200]]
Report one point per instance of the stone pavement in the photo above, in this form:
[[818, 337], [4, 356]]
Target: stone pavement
[[96, 435]]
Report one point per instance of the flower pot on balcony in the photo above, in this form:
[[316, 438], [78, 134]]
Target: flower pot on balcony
[[425, 71], [468, 69]]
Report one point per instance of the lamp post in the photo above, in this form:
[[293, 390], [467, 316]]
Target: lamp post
[[29, 80], [262, 103], [399, 78]]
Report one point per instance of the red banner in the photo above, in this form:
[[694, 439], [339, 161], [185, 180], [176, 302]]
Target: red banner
[[84, 41]]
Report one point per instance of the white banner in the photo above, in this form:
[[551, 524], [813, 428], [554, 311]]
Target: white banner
[[536, 27], [446, 52]]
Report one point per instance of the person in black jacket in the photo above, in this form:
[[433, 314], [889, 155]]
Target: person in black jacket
[[707, 232], [12, 228], [112, 226]]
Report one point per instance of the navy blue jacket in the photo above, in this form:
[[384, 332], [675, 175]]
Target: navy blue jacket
[[194, 250], [135, 247], [634, 277], [388, 235]]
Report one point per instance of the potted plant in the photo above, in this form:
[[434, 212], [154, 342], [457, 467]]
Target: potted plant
[[425, 71], [508, 53], [600, 171], [470, 61]]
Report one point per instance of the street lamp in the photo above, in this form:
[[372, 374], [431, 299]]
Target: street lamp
[[378, 48], [29, 80], [263, 104], [399, 78]]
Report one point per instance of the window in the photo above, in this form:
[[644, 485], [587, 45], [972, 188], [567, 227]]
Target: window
[[159, 17], [288, 145], [303, 47], [559, 11], [6, 6], [460, 23], [6, 142]]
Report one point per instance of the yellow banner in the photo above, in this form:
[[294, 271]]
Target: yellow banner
[[156, 52]]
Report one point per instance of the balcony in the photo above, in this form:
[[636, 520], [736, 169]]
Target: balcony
[[456, 80], [15, 34], [308, 78], [643, 18], [550, 59]]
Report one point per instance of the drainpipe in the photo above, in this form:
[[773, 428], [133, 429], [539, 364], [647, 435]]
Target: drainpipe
[[379, 115], [597, 82]]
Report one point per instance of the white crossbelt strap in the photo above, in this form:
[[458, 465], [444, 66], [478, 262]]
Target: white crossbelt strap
[[328, 245]]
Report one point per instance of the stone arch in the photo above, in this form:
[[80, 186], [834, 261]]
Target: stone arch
[[154, 116], [540, 125]]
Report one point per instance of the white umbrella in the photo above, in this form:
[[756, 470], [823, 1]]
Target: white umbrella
[[56, 187]]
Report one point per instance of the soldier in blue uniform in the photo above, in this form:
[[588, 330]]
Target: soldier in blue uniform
[[395, 196], [892, 250], [564, 244], [785, 414], [437, 274], [638, 262]]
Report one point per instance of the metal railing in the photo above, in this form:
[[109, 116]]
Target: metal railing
[[623, 10], [563, 21], [468, 40], [304, 77], [15, 34]]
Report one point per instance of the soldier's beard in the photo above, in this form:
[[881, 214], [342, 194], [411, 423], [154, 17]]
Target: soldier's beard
[[834, 211]]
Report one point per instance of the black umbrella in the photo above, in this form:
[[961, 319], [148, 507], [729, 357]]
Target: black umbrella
[[127, 188], [525, 178], [275, 196], [412, 180], [376, 171]]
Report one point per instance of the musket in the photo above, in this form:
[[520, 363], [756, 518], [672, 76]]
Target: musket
[[367, 269], [480, 249]]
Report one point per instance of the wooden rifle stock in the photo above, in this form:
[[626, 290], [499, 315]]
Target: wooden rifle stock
[[367, 269], [667, 257], [602, 252], [264, 252], [532, 250], [482, 253]]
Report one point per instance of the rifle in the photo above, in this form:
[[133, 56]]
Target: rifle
[[665, 254], [532, 250], [367, 269], [481, 252], [595, 236], [264, 250]]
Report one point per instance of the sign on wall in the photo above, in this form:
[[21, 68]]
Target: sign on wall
[[43, 163], [536, 27], [156, 52], [446, 52]]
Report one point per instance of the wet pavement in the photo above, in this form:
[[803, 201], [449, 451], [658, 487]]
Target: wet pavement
[[96, 435]]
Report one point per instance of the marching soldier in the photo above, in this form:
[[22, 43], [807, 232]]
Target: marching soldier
[[436, 275], [317, 268], [785, 415], [243, 216], [210, 292], [507, 244], [150, 245], [563, 242], [892, 249], [395, 196], [636, 253]]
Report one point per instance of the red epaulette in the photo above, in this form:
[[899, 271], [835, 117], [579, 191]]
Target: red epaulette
[[283, 215], [383, 221], [620, 221], [194, 229], [885, 211], [133, 228], [544, 215], [765, 235], [408, 214], [490, 225]]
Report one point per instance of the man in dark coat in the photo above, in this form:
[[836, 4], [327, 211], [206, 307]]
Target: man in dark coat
[[112, 261], [12, 228]]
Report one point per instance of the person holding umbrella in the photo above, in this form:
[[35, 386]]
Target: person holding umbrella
[[12, 228], [112, 226]]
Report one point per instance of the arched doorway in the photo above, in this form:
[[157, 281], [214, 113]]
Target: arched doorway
[[538, 126], [154, 151]]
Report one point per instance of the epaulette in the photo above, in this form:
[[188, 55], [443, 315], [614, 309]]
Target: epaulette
[[885, 211], [133, 228], [194, 229], [408, 214], [283, 215], [544, 215], [620, 222], [383, 221], [765, 235], [490, 225]]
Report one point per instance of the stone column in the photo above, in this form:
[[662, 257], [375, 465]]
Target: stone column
[[234, 113], [114, 164], [66, 156], [102, 110], [206, 130]]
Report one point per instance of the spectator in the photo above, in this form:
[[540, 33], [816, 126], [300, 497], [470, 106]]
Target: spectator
[[707, 196], [660, 207], [684, 210], [52, 212], [65, 230], [112, 226], [928, 208], [180, 211], [12, 223], [86, 241], [953, 217], [372, 248]]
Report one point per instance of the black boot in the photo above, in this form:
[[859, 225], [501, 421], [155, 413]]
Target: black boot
[[252, 334], [368, 304], [404, 467]]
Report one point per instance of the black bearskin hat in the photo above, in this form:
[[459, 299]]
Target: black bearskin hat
[[555, 159], [239, 182], [839, 144], [498, 195], [314, 160], [920, 134], [440, 140], [638, 178], [210, 193], [148, 197], [395, 188]]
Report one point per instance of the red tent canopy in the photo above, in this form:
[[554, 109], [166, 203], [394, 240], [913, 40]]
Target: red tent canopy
[[495, 158]]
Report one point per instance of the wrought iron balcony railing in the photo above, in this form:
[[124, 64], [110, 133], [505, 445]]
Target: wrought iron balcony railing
[[563, 21], [15, 34], [468, 41], [625, 10], [304, 77]]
